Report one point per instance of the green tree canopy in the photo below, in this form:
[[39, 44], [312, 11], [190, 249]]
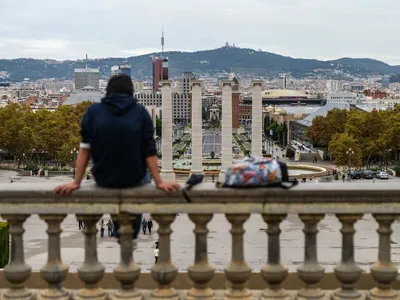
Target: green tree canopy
[[29, 133]]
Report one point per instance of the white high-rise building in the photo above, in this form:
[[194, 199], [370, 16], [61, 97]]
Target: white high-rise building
[[344, 97], [87, 78], [282, 81], [333, 86]]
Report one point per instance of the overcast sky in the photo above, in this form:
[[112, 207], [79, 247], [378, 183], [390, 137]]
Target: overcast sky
[[321, 29]]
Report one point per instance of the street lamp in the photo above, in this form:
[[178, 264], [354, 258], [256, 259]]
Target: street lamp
[[350, 152], [44, 153], [387, 156], [74, 153]]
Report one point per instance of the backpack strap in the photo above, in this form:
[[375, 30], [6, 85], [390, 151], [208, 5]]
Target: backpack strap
[[194, 179], [289, 184]]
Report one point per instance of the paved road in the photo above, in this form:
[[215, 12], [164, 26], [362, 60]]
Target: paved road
[[212, 141], [219, 242]]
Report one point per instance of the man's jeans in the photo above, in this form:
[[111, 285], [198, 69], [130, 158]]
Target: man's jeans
[[138, 220]]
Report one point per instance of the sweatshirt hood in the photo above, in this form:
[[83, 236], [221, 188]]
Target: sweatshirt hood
[[119, 104]]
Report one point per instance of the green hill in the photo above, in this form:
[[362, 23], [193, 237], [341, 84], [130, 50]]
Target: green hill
[[244, 62]]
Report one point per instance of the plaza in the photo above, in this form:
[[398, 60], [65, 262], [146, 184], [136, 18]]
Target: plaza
[[212, 141]]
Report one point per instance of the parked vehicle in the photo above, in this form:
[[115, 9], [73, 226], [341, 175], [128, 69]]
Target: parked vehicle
[[382, 175], [367, 174], [354, 174]]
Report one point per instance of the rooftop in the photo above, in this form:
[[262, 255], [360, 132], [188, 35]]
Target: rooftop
[[323, 111], [82, 96], [283, 93], [87, 70], [306, 110]]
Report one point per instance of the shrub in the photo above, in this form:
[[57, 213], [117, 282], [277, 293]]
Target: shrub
[[31, 167], [397, 170], [4, 244]]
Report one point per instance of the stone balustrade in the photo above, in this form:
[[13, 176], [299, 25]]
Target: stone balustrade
[[349, 202]]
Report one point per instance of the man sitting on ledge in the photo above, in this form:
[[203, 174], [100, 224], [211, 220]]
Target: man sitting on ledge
[[118, 134]]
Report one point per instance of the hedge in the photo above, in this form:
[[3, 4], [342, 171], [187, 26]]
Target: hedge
[[4, 244]]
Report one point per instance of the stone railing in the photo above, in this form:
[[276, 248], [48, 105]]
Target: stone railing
[[311, 202]]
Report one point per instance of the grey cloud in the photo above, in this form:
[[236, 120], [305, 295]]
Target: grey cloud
[[103, 28]]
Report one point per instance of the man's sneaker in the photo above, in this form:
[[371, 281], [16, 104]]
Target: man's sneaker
[[393, 242]]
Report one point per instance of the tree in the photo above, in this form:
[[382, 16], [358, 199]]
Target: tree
[[267, 122], [158, 127], [31, 133], [204, 113], [324, 128], [339, 145]]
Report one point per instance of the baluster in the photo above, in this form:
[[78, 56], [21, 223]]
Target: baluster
[[347, 272], [55, 271], [310, 272], [127, 272], [238, 272], [384, 272], [164, 272], [91, 271], [17, 271], [201, 272], [274, 272]]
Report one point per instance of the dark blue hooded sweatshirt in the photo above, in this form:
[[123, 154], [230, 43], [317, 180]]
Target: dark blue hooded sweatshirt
[[120, 134]]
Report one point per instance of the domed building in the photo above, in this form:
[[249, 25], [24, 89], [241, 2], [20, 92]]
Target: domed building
[[298, 116], [283, 112]]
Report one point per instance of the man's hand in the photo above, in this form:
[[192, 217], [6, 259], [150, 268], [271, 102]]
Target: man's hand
[[167, 186], [67, 188]]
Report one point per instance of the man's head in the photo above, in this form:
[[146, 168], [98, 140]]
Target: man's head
[[120, 84]]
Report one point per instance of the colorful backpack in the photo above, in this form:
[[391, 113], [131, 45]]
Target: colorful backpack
[[258, 172]]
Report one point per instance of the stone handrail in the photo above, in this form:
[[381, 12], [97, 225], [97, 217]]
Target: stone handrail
[[311, 201]]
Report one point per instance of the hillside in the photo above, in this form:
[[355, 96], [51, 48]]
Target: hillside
[[244, 62]]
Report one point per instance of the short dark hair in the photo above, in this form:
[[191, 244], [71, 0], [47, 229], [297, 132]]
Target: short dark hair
[[120, 84]]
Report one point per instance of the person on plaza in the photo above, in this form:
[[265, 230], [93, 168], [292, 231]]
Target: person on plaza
[[80, 224], [343, 177], [150, 225], [156, 253], [110, 227], [102, 228], [144, 226], [118, 135]]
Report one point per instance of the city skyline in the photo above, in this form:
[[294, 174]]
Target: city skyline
[[300, 29]]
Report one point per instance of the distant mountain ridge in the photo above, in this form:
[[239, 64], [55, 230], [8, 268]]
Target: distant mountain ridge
[[244, 62]]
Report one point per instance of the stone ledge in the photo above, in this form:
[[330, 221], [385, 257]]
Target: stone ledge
[[38, 198], [183, 282]]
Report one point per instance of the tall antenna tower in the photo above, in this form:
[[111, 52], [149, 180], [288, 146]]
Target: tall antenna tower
[[162, 42]]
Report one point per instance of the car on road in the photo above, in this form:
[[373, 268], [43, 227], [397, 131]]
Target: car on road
[[354, 175], [367, 174], [382, 175]]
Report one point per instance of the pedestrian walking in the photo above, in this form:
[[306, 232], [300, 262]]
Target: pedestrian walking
[[102, 225], [156, 253], [343, 177], [110, 227], [118, 131], [149, 225], [80, 224], [144, 226]]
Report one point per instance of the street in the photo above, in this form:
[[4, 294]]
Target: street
[[212, 141]]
